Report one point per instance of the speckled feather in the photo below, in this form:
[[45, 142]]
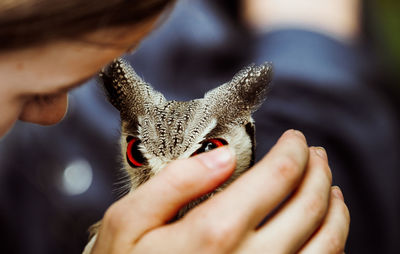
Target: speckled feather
[[171, 130]]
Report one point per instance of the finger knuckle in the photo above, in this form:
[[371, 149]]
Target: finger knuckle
[[316, 206], [218, 236], [287, 168], [334, 243]]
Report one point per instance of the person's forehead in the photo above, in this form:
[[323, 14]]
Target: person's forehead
[[59, 66]]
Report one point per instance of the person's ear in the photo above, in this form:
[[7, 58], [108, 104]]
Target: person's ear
[[45, 110]]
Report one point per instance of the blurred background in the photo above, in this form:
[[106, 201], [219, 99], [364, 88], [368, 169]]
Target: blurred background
[[340, 88]]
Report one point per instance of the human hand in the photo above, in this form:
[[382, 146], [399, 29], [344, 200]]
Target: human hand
[[311, 220]]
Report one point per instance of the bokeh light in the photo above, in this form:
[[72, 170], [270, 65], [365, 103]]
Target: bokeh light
[[77, 177]]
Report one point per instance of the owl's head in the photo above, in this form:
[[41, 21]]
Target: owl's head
[[156, 131]]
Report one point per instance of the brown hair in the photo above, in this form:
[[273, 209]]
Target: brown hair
[[27, 22]]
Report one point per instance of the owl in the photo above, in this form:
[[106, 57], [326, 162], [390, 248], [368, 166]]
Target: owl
[[155, 131]]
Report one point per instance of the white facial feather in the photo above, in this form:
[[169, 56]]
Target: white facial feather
[[170, 130]]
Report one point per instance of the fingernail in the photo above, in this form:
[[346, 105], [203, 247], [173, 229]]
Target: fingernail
[[299, 134], [216, 159], [337, 192], [321, 152], [296, 133]]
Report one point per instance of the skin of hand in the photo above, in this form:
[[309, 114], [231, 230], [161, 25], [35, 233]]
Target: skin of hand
[[313, 219]]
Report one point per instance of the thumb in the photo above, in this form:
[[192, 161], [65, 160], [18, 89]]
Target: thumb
[[159, 199]]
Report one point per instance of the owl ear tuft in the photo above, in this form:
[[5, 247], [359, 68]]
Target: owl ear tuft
[[126, 90], [244, 94]]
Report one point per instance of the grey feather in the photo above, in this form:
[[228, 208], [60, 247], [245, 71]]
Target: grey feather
[[170, 130], [127, 91], [242, 95]]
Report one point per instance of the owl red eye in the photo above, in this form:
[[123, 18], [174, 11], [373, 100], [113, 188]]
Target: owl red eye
[[210, 144], [133, 155]]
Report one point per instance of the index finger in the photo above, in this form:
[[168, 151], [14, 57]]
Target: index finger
[[256, 193]]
